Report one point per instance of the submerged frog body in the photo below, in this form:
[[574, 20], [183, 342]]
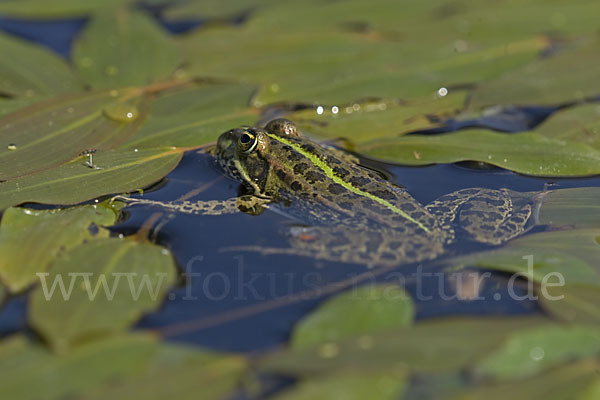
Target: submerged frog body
[[346, 212]]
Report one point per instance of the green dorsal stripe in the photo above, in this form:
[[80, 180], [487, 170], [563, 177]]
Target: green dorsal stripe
[[348, 186]]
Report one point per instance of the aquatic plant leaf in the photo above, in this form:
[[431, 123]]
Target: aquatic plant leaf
[[433, 346], [195, 116], [530, 351], [580, 124], [527, 153], [30, 240], [106, 286], [9, 105], [116, 171], [178, 372], [124, 48], [32, 70], [568, 255], [573, 303], [562, 77], [214, 9], [383, 386], [55, 8], [571, 381], [362, 121], [48, 134], [576, 207], [356, 312]]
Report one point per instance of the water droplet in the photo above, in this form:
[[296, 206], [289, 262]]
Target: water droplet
[[50, 123], [274, 88], [164, 252], [320, 110], [356, 107], [121, 112], [442, 92], [536, 353], [329, 350], [135, 150], [335, 109], [12, 147], [111, 70]]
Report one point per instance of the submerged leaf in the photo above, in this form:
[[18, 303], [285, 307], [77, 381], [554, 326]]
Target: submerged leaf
[[48, 134], [114, 171], [527, 153], [124, 49], [30, 240], [99, 287], [356, 312]]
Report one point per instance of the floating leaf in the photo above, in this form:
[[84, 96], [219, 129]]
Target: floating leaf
[[179, 372], [528, 352], [195, 116], [31, 239], [526, 153], [578, 124], [10, 105], [356, 312], [546, 257], [573, 303], [56, 8], [572, 207], [99, 287], [434, 346], [362, 121], [214, 8], [53, 132], [571, 381], [32, 70], [564, 76], [29, 372], [381, 386], [123, 49], [116, 171]]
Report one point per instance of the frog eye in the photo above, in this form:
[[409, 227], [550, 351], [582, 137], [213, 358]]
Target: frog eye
[[247, 142]]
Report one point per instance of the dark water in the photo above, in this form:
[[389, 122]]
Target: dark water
[[235, 301]]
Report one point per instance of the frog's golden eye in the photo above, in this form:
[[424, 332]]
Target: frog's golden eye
[[247, 142]]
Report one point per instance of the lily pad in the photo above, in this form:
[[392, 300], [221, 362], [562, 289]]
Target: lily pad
[[30, 240], [195, 116], [528, 352], [124, 48], [50, 133], [32, 70], [576, 207], [116, 171], [527, 153], [356, 312], [383, 386], [56, 8], [99, 287]]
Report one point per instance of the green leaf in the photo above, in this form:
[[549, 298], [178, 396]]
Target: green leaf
[[30, 240], [565, 76], [124, 48], [386, 385], [52, 132], [578, 124], [576, 207], [357, 312], [362, 121], [567, 382], [527, 153], [107, 284], [29, 372], [557, 255], [32, 70], [213, 8], [573, 303], [528, 352], [55, 8], [119, 171], [441, 345], [10, 105], [178, 372], [195, 116]]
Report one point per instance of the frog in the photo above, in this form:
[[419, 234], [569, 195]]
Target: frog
[[340, 210]]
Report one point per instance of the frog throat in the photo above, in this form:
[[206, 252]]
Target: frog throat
[[337, 179]]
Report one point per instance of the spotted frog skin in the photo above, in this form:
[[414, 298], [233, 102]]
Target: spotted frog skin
[[345, 212]]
